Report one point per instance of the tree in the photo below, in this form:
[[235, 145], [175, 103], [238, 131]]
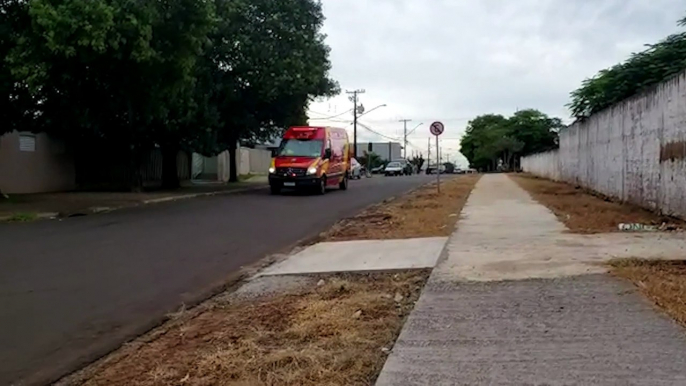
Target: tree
[[371, 160], [114, 74], [642, 70], [417, 161], [16, 105], [125, 77], [270, 61], [477, 145], [491, 139]]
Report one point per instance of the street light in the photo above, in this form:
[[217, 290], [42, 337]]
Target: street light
[[369, 111], [415, 128]]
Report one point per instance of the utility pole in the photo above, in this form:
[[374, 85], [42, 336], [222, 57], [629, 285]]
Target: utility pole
[[353, 98], [404, 121], [428, 154]]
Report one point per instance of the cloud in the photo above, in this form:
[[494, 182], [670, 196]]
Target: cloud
[[451, 60]]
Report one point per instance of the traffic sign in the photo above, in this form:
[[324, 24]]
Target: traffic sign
[[436, 128]]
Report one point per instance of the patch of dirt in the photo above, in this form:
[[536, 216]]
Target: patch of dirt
[[583, 211], [337, 332], [420, 213], [664, 282]]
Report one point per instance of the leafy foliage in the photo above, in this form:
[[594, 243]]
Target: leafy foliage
[[269, 61], [371, 160], [16, 104], [644, 69], [492, 139], [194, 75], [418, 161]]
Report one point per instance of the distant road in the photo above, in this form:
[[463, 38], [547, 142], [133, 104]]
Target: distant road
[[72, 290]]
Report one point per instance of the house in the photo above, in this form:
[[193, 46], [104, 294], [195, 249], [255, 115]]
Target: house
[[34, 163]]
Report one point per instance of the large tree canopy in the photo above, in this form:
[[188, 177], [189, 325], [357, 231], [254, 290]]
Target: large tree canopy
[[17, 108], [270, 62], [492, 140], [644, 69], [131, 75]]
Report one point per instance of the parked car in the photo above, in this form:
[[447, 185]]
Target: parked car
[[431, 169], [378, 169], [394, 169], [408, 168], [356, 169]]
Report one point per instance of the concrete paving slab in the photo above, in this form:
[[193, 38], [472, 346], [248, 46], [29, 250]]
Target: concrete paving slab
[[505, 235], [483, 320], [362, 255], [581, 330]]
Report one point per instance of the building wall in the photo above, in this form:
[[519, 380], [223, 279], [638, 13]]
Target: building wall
[[260, 160], [47, 169], [634, 151], [386, 150], [250, 161]]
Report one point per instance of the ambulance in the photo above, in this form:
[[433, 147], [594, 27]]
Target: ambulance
[[312, 158]]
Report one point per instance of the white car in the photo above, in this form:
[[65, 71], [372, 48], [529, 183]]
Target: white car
[[394, 169]]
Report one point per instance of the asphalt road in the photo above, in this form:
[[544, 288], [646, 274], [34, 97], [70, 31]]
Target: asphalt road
[[70, 291]]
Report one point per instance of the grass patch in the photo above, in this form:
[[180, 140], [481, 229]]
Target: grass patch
[[338, 333], [662, 281], [583, 211], [422, 213], [22, 217]]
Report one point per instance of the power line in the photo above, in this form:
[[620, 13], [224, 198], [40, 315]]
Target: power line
[[376, 132], [325, 118]]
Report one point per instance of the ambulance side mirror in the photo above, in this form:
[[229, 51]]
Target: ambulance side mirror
[[327, 154]]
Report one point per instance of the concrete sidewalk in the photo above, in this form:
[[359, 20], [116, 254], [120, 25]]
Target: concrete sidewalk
[[520, 302]]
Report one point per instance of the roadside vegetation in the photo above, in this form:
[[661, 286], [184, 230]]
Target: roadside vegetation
[[22, 217], [336, 333], [421, 213], [330, 329], [663, 282], [583, 211], [657, 63], [126, 77], [493, 142]]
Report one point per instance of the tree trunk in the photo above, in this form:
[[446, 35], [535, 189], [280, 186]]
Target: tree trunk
[[233, 168], [135, 173], [170, 173]]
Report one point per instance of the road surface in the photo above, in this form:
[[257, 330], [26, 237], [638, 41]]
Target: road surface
[[73, 290]]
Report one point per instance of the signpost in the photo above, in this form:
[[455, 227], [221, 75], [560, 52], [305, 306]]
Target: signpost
[[436, 129]]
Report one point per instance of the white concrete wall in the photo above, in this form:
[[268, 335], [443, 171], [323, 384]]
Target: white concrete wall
[[250, 161], [259, 160], [634, 151], [244, 161], [223, 166], [543, 165]]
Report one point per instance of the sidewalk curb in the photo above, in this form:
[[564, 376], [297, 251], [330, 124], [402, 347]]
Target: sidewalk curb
[[107, 209], [39, 216], [206, 194]]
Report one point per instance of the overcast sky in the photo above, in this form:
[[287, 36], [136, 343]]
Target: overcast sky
[[451, 60]]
